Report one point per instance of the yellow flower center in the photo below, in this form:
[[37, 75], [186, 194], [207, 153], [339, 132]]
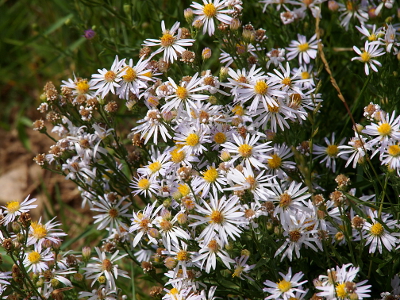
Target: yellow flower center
[[173, 291], [284, 285], [106, 265], [251, 181], [143, 184], [113, 213], [216, 217], [155, 167], [238, 110], [372, 37], [82, 86], [384, 129], [213, 246], [177, 155], [13, 206], [332, 150], [184, 189], [350, 6], [273, 109], [261, 87], [130, 74], [39, 230], [294, 236], [303, 47], [341, 290], [394, 150], [285, 200], [274, 162], [182, 255], [376, 229], [167, 40], [365, 57], [238, 271], [210, 175], [245, 150], [148, 74], [110, 76], [220, 138], [286, 81], [34, 257], [181, 92], [209, 10], [305, 75], [192, 139]]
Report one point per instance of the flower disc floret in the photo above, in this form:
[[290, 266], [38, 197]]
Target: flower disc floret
[[130, 74], [284, 285], [210, 175], [245, 150], [34, 257], [82, 87], [192, 139], [376, 229], [274, 162], [167, 40], [13, 206], [39, 230], [332, 150], [216, 217], [144, 183], [110, 76], [220, 138], [384, 129], [261, 87], [303, 47], [210, 10], [394, 150]]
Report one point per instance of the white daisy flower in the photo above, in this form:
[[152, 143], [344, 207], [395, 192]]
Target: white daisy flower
[[241, 267], [106, 267], [276, 56], [184, 95], [110, 213], [208, 255], [376, 234], [14, 209], [353, 9], [142, 224], [209, 179], [222, 216], [286, 287], [80, 88], [209, 11], [193, 138], [101, 293], [134, 79], [170, 43], [391, 157], [357, 149], [144, 185], [248, 151], [152, 125], [371, 50], [306, 50], [329, 152], [39, 232], [36, 260], [107, 80]]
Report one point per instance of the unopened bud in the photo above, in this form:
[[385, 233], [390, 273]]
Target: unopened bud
[[188, 13], [333, 5]]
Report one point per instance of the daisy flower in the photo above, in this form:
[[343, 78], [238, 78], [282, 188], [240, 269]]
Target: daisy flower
[[193, 138], [209, 179], [297, 232], [330, 152], [142, 223], [371, 50], [209, 11], [208, 255], [110, 213], [339, 284], [36, 260], [39, 232], [151, 126], [392, 157], [353, 9], [169, 230], [357, 147], [80, 89], [372, 34], [290, 200], [222, 216], [16, 208], [101, 293], [134, 79], [184, 94], [241, 267], [250, 153], [144, 185], [106, 267], [306, 50], [276, 56], [107, 80], [376, 234], [286, 287], [170, 43], [278, 164], [386, 130]]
